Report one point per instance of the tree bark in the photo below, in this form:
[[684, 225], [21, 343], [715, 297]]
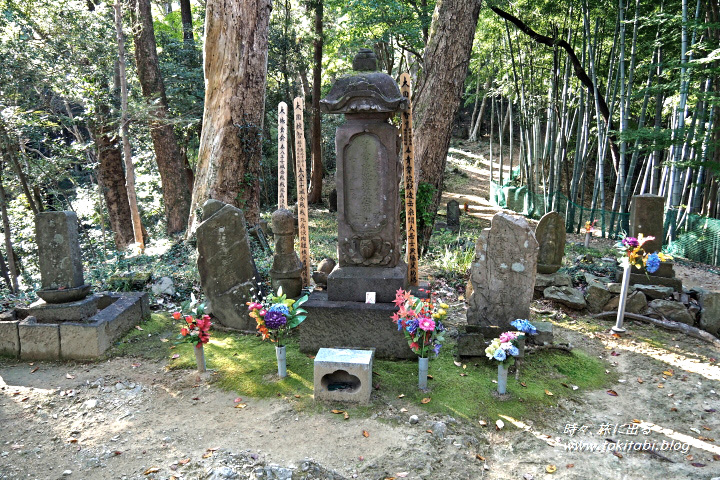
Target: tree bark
[[12, 263], [112, 183], [438, 95], [316, 173], [187, 25], [236, 51], [167, 153]]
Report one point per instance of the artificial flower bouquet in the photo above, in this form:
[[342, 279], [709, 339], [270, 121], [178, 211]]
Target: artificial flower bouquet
[[196, 329], [420, 319], [504, 349], [276, 315], [523, 326], [633, 254]]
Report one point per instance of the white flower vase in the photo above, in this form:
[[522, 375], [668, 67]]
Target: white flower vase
[[618, 328], [587, 239], [200, 357], [281, 361], [502, 378], [423, 364]]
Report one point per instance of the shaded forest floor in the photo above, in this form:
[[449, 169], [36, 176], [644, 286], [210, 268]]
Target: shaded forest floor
[[138, 415]]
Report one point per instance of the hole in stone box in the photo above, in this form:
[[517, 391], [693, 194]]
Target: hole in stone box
[[340, 381]]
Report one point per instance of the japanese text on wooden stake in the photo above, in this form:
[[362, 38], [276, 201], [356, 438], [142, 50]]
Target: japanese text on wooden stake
[[408, 154], [302, 191], [282, 154]]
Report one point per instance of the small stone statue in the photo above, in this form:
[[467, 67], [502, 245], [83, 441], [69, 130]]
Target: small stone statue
[[287, 266]]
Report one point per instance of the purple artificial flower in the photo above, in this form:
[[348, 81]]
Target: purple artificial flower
[[274, 320], [436, 349], [411, 326], [439, 327], [630, 242]]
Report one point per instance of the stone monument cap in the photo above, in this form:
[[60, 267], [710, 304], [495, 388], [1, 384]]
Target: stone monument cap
[[283, 222], [365, 61]]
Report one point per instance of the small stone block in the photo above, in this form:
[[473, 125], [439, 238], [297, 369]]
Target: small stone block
[[351, 283], [471, 345], [38, 341], [544, 334], [343, 375], [84, 341], [9, 337]]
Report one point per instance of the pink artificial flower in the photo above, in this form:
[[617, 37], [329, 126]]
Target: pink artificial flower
[[426, 324], [395, 317], [507, 337], [399, 298], [262, 312], [254, 306]]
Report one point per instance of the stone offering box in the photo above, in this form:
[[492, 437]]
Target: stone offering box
[[52, 338], [343, 375]]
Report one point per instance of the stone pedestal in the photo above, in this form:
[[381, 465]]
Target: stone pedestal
[[351, 283], [286, 268], [64, 312]]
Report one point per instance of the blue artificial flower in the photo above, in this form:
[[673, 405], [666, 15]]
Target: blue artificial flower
[[436, 349], [280, 308], [513, 351], [411, 326], [500, 355], [653, 263], [439, 327], [524, 326]]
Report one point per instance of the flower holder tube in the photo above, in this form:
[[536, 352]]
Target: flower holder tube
[[502, 378], [200, 357], [423, 364], [618, 328], [281, 361]]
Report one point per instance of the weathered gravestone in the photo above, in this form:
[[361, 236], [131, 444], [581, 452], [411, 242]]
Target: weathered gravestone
[[225, 264], [368, 206], [550, 234], [59, 255], [286, 268], [453, 216], [368, 175], [502, 277], [646, 216]]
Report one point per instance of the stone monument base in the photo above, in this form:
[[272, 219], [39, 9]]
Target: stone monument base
[[349, 284], [345, 324], [64, 312]]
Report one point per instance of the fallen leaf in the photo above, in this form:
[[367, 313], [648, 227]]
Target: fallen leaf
[[184, 461], [337, 411], [346, 415], [403, 410], [366, 433], [69, 377], [207, 454], [401, 474], [428, 431], [640, 380], [297, 396], [673, 409], [425, 400], [551, 469], [17, 446], [660, 385], [565, 385], [618, 454], [499, 424], [135, 365], [615, 335], [25, 399], [705, 427], [689, 458], [523, 384], [164, 340], [479, 457], [706, 439], [548, 393], [34, 370], [196, 398], [716, 457], [482, 423], [697, 464], [570, 465], [669, 373], [463, 374], [612, 393], [430, 377], [177, 355], [710, 410], [614, 353], [401, 395], [72, 440], [138, 327], [117, 452], [457, 364], [241, 405], [151, 470], [635, 420]]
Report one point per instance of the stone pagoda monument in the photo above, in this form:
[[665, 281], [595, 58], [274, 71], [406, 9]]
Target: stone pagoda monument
[[368, 205]]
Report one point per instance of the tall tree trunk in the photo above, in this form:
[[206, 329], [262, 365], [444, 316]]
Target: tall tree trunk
[[187, 25], [13, 285], [445, 66], [127, 153], [316, 173], [111, 178], [167, 153], [236, 51]]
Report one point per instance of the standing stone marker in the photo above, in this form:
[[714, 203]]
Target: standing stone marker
[[453, 216], [58, 250], [646, 217], [503, 273], [286, 268], [303, 229], [368, 174], [550, 234], [282, 154], [225, 264], [408, 152]]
